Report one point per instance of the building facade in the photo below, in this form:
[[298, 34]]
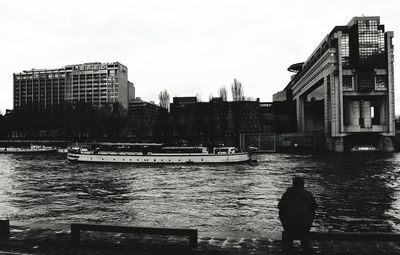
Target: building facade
[[93, 83], [190, 121], [345, 89], [147, 121], [214, 122]]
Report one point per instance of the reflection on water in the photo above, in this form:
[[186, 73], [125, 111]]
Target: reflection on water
[[353, 192]]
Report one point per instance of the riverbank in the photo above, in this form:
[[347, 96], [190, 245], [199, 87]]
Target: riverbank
[[55, 239]]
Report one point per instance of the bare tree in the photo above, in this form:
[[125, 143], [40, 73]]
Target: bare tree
[[223, 93], [237, 91], [164, 99], [198, 97]]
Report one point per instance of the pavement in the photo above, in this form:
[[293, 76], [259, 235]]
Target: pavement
[[55, 239]]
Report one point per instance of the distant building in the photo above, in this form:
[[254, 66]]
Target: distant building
[[131, 91], [214, 122], [266, 118], [93, 83], [345, 89], [280, 96], [190, 120], [180, 101], [147, 121]]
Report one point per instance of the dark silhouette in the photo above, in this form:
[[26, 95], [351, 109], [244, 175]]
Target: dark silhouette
[[296, 212]]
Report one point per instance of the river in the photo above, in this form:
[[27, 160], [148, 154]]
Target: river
[[353, 192]]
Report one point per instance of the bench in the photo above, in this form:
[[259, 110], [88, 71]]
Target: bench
[[342, 236], [191, 233]]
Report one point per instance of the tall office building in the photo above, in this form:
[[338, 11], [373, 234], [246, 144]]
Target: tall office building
[[94, 83], [346, 87]]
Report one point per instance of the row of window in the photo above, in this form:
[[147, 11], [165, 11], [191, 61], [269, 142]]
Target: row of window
[[97, 81], [37, 76], [93, 86], [96, 98], [92, 100], [108, 82], [24, 94], [40, 76], [378, 83], [83, 89], [49, 90], [55, 101], [370, 40], [367, 25], [37, 84], [345, 49], [91, 91]]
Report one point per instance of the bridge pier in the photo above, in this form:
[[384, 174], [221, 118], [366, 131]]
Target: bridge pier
[[386, 144], [335, 144]]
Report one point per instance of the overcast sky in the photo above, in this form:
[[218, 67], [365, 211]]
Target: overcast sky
[[187, 47]]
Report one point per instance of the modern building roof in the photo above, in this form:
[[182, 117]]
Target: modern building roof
[[323, 46]]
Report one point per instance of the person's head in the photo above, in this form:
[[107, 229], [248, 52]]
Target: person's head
[[298, 182]]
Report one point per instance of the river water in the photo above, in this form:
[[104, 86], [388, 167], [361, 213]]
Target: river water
[[353, 192]]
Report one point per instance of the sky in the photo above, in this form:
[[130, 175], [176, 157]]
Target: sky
[[188, 47]]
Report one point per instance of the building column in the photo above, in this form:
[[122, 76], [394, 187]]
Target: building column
[[352, 114], [390, 85], [366, 114], [327, 98], [300, 114]]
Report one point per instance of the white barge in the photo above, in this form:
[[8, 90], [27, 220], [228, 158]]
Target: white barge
[[31, 149], [155, 154]]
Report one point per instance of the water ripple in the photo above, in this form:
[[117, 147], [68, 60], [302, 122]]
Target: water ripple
[[353, 192]]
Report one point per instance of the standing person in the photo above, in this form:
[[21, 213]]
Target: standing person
[[296, 212]]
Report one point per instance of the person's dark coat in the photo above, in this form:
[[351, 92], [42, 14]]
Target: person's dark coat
[[297, 209]]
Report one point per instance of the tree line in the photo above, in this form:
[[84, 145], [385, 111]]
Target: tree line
[[236, 90], [84, 120], [79, 120]]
